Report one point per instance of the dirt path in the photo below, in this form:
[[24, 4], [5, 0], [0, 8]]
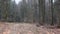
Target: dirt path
[[25, 28]]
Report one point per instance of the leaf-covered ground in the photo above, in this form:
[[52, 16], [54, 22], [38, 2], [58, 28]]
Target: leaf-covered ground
[[25, 28]]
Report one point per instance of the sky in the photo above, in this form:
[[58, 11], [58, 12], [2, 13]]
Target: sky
[[17, 1], [53, 1]]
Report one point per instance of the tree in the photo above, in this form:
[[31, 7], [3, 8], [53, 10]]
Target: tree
[[57, 10], [4, 8], [41, 11]]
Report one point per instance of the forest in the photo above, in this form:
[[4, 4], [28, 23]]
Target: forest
[[30, 11]]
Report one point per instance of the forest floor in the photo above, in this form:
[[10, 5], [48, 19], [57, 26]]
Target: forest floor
[[25, 28]]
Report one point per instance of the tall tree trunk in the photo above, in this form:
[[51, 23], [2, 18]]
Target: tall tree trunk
[[41, 11], [52, 9]]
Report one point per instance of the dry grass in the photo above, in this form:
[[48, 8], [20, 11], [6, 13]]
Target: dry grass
[[25, 28]]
